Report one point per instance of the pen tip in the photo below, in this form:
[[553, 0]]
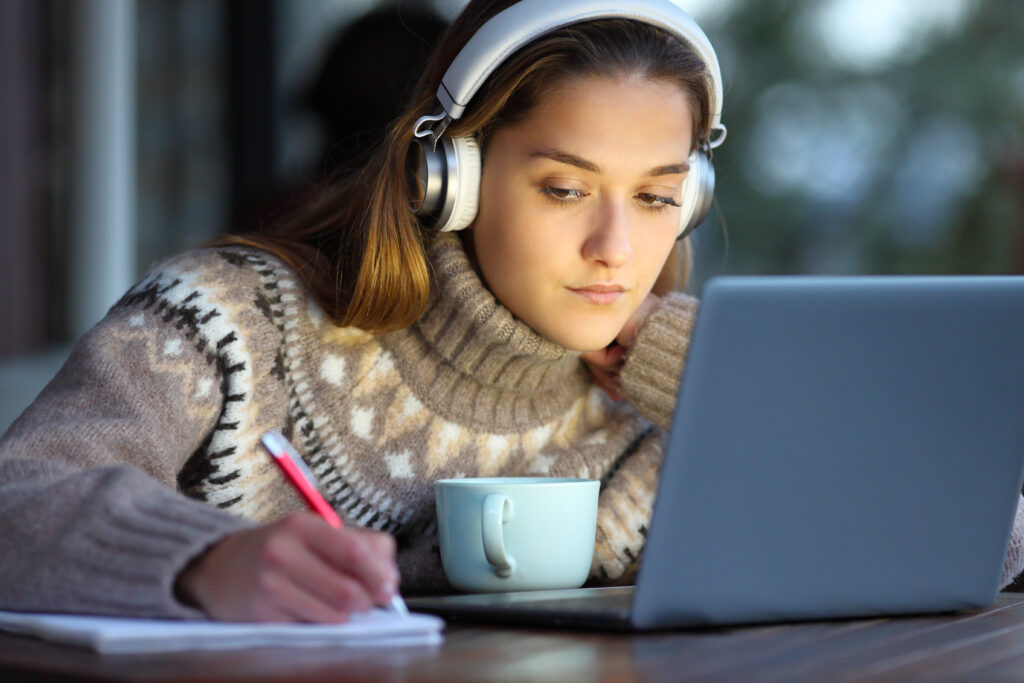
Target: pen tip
[[398, 605]]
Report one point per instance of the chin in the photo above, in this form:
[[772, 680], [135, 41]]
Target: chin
[[575, 341]]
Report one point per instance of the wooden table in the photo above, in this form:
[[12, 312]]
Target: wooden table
[[983, 645]]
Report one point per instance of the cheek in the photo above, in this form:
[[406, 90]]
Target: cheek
[[495, 237], [511, 233], [652, 253], [516, 262]]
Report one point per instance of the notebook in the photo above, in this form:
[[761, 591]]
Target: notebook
[[840, 447], [108, 635]]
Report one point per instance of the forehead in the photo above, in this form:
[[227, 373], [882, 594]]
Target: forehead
[[624, 124]]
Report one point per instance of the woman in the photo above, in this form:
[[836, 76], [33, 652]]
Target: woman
[[391, 355]]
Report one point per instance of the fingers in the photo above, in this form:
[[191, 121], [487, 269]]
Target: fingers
[[367, 557], [301, 583], [604, 366], [296, 569], [385, 545], [281, 599], [363, 559], [606, 380]]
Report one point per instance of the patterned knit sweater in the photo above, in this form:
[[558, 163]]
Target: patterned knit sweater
[[171, 392], [144, 449]]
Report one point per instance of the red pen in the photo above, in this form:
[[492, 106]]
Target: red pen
[[304, 481]]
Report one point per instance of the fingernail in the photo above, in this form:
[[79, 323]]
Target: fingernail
[[387, 591]]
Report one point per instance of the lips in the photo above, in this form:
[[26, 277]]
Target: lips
[[600, 294]]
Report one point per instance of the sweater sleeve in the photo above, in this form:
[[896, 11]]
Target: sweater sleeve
[[651, 373], [1014, 563], [90, 520]]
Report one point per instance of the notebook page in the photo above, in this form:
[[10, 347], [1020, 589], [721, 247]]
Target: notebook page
[[376, 628]]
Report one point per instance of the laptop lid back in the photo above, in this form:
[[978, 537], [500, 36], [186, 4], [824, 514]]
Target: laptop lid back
[[840, 447]]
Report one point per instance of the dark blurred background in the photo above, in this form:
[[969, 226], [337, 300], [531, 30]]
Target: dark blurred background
[[865, 136]]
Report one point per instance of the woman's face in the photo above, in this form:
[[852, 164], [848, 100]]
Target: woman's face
[[577, 205]]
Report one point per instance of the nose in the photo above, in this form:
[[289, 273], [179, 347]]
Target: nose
[[608, 241]]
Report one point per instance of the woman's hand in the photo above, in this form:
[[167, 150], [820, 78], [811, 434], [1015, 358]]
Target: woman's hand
[[604, 364], [296, 569]]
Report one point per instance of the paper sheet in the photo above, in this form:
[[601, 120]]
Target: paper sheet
[[377, 628]]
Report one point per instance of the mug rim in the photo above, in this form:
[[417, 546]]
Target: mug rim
[[514, 481]]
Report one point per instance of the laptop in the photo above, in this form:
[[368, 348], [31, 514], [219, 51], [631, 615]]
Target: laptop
[[840, 447]]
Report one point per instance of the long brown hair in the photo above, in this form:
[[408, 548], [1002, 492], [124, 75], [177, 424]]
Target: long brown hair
[[359, 247]]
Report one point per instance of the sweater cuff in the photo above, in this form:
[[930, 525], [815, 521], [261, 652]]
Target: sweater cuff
[[129, 560], [650, 376], [1014, 564], [117, 549]]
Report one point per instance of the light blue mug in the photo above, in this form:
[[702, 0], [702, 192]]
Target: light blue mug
[[516, 533]]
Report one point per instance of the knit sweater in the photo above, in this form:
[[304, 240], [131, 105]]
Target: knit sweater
[[144, 449]]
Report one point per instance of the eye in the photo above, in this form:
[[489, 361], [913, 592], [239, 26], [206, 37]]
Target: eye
[[655, 202], [563, 195]]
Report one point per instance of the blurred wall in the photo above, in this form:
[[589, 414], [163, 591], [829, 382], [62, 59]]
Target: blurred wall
[[22, 164]]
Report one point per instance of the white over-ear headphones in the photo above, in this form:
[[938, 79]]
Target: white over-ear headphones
[[450, 167]]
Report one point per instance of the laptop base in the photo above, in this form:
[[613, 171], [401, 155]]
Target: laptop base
[[605, 609]]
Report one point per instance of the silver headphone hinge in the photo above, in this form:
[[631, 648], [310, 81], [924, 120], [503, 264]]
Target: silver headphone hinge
[[715, 142], [431, 131]]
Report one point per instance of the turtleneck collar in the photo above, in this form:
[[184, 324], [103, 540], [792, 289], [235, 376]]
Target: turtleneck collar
[[471, 358]]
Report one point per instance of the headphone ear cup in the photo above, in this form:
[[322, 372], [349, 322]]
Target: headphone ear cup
[[444, 182], [464, 179], [698, 190]]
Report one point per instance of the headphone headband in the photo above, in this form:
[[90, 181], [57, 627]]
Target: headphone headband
[[525, 21]]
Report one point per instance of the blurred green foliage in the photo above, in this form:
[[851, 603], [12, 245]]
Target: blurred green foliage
[[910, 164]]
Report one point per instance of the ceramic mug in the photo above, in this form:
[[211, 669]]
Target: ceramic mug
[[516, 533]]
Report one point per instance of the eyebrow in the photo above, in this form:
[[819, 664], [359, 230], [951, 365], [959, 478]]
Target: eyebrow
[[579, 162]]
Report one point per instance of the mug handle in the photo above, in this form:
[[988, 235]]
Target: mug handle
[[497, 510]]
